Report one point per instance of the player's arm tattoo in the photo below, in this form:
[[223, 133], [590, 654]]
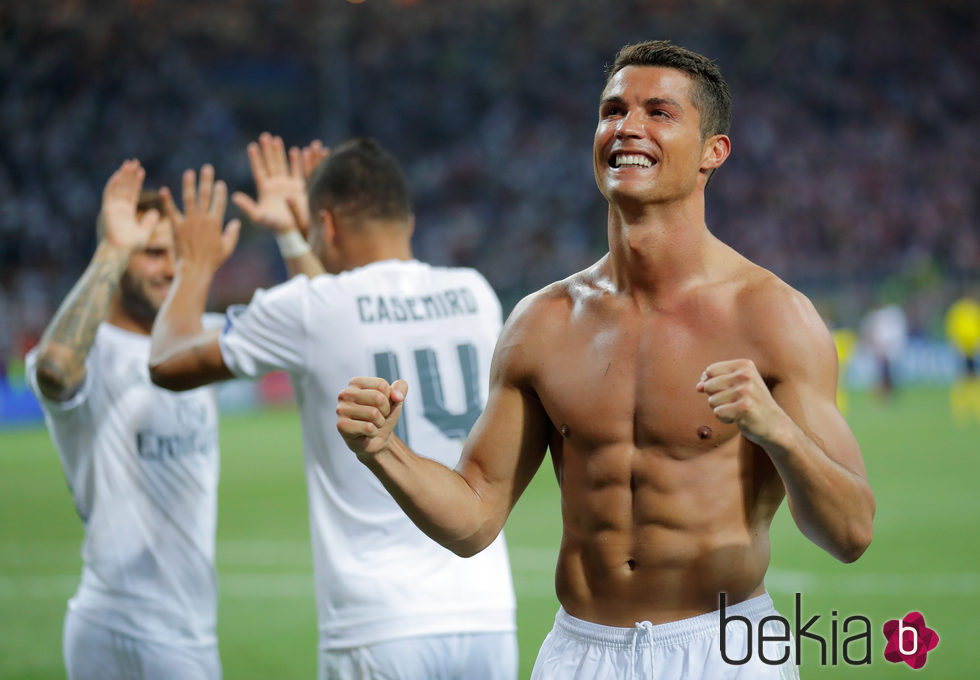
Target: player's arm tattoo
[[69, 337]]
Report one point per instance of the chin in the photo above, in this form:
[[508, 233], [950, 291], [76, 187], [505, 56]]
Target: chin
[[624, 196]]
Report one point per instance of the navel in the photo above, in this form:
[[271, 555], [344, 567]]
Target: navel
[[704, 432]]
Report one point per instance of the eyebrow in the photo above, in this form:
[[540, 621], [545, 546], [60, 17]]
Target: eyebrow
[[652, 101]]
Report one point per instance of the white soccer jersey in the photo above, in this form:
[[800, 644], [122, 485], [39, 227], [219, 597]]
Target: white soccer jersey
[[378, 577], [142, 466]]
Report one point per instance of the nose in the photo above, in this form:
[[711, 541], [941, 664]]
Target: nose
[[168, 265], [630, 125]]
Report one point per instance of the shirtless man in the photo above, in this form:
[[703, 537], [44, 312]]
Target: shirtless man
[[683, 392]]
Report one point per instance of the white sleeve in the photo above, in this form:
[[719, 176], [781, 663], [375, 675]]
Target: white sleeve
[[270, 334], [72, 429]]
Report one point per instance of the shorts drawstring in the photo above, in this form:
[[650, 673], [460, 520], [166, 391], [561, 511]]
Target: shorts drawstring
[[642, 628]]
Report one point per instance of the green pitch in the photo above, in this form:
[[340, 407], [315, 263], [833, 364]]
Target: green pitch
[[925, 555]]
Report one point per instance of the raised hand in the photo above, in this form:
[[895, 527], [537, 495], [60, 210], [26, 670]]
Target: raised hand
[[123, 229], [738, 394], [198, 234], [280, 184], [310, 157], [367, 412]]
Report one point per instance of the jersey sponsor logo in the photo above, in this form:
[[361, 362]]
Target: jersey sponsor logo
[[157, 446], [192, 413], [400, 309]]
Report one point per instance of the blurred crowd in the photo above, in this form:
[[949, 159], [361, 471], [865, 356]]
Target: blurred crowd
[[855, 125]]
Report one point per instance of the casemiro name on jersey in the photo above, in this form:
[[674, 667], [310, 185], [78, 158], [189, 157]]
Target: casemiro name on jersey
[[399, 309]]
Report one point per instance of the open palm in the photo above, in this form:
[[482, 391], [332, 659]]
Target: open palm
[[279, 182], [123, 229]]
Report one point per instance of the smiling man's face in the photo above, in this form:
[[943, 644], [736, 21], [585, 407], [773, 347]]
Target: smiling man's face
[[149, 273], [648, 145]]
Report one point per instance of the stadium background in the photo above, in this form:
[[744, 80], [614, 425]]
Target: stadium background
[[854, 176]]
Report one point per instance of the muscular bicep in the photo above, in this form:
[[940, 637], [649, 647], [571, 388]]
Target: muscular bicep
[[806, 389], [504, 449], [194, 362], [510, 438], [819, 460]]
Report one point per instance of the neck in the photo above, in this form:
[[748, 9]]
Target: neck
[[360, 252], [119, 317], [657, 250]]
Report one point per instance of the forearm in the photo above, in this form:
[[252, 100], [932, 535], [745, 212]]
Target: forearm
[[436, 498], [831, 504], [178, 334], [70, 335], [304, 264]]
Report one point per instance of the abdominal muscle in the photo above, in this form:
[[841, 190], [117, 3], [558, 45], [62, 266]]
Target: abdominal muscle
[[656, 535]]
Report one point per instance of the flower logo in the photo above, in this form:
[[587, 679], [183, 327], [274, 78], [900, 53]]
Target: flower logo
[[909, 640]]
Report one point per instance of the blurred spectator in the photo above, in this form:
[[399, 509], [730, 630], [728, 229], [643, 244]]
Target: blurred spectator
[[849, 160]]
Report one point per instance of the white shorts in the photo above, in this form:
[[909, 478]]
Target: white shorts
[[462, 656], [689, 649], [94, 652]]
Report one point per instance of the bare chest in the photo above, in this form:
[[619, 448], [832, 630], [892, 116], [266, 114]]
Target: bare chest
[[625, 379]]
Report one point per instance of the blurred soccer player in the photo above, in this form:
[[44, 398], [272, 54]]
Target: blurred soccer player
[[391, 603], [683, 392], [963, 331], [845, 341], [141, 462], [885, 331]]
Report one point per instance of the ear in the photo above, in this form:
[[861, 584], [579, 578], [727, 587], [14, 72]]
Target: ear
[[328, 227], [411, 226], [716, 150]]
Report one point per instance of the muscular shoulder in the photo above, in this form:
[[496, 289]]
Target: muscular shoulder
[[547, 312], [538, 323], [783, 323]]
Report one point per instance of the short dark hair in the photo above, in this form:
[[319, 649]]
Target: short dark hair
[[709, 93], [149, 200], [361, 179]]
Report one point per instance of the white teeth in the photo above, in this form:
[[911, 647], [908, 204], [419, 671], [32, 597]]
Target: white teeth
[[633, 159]]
